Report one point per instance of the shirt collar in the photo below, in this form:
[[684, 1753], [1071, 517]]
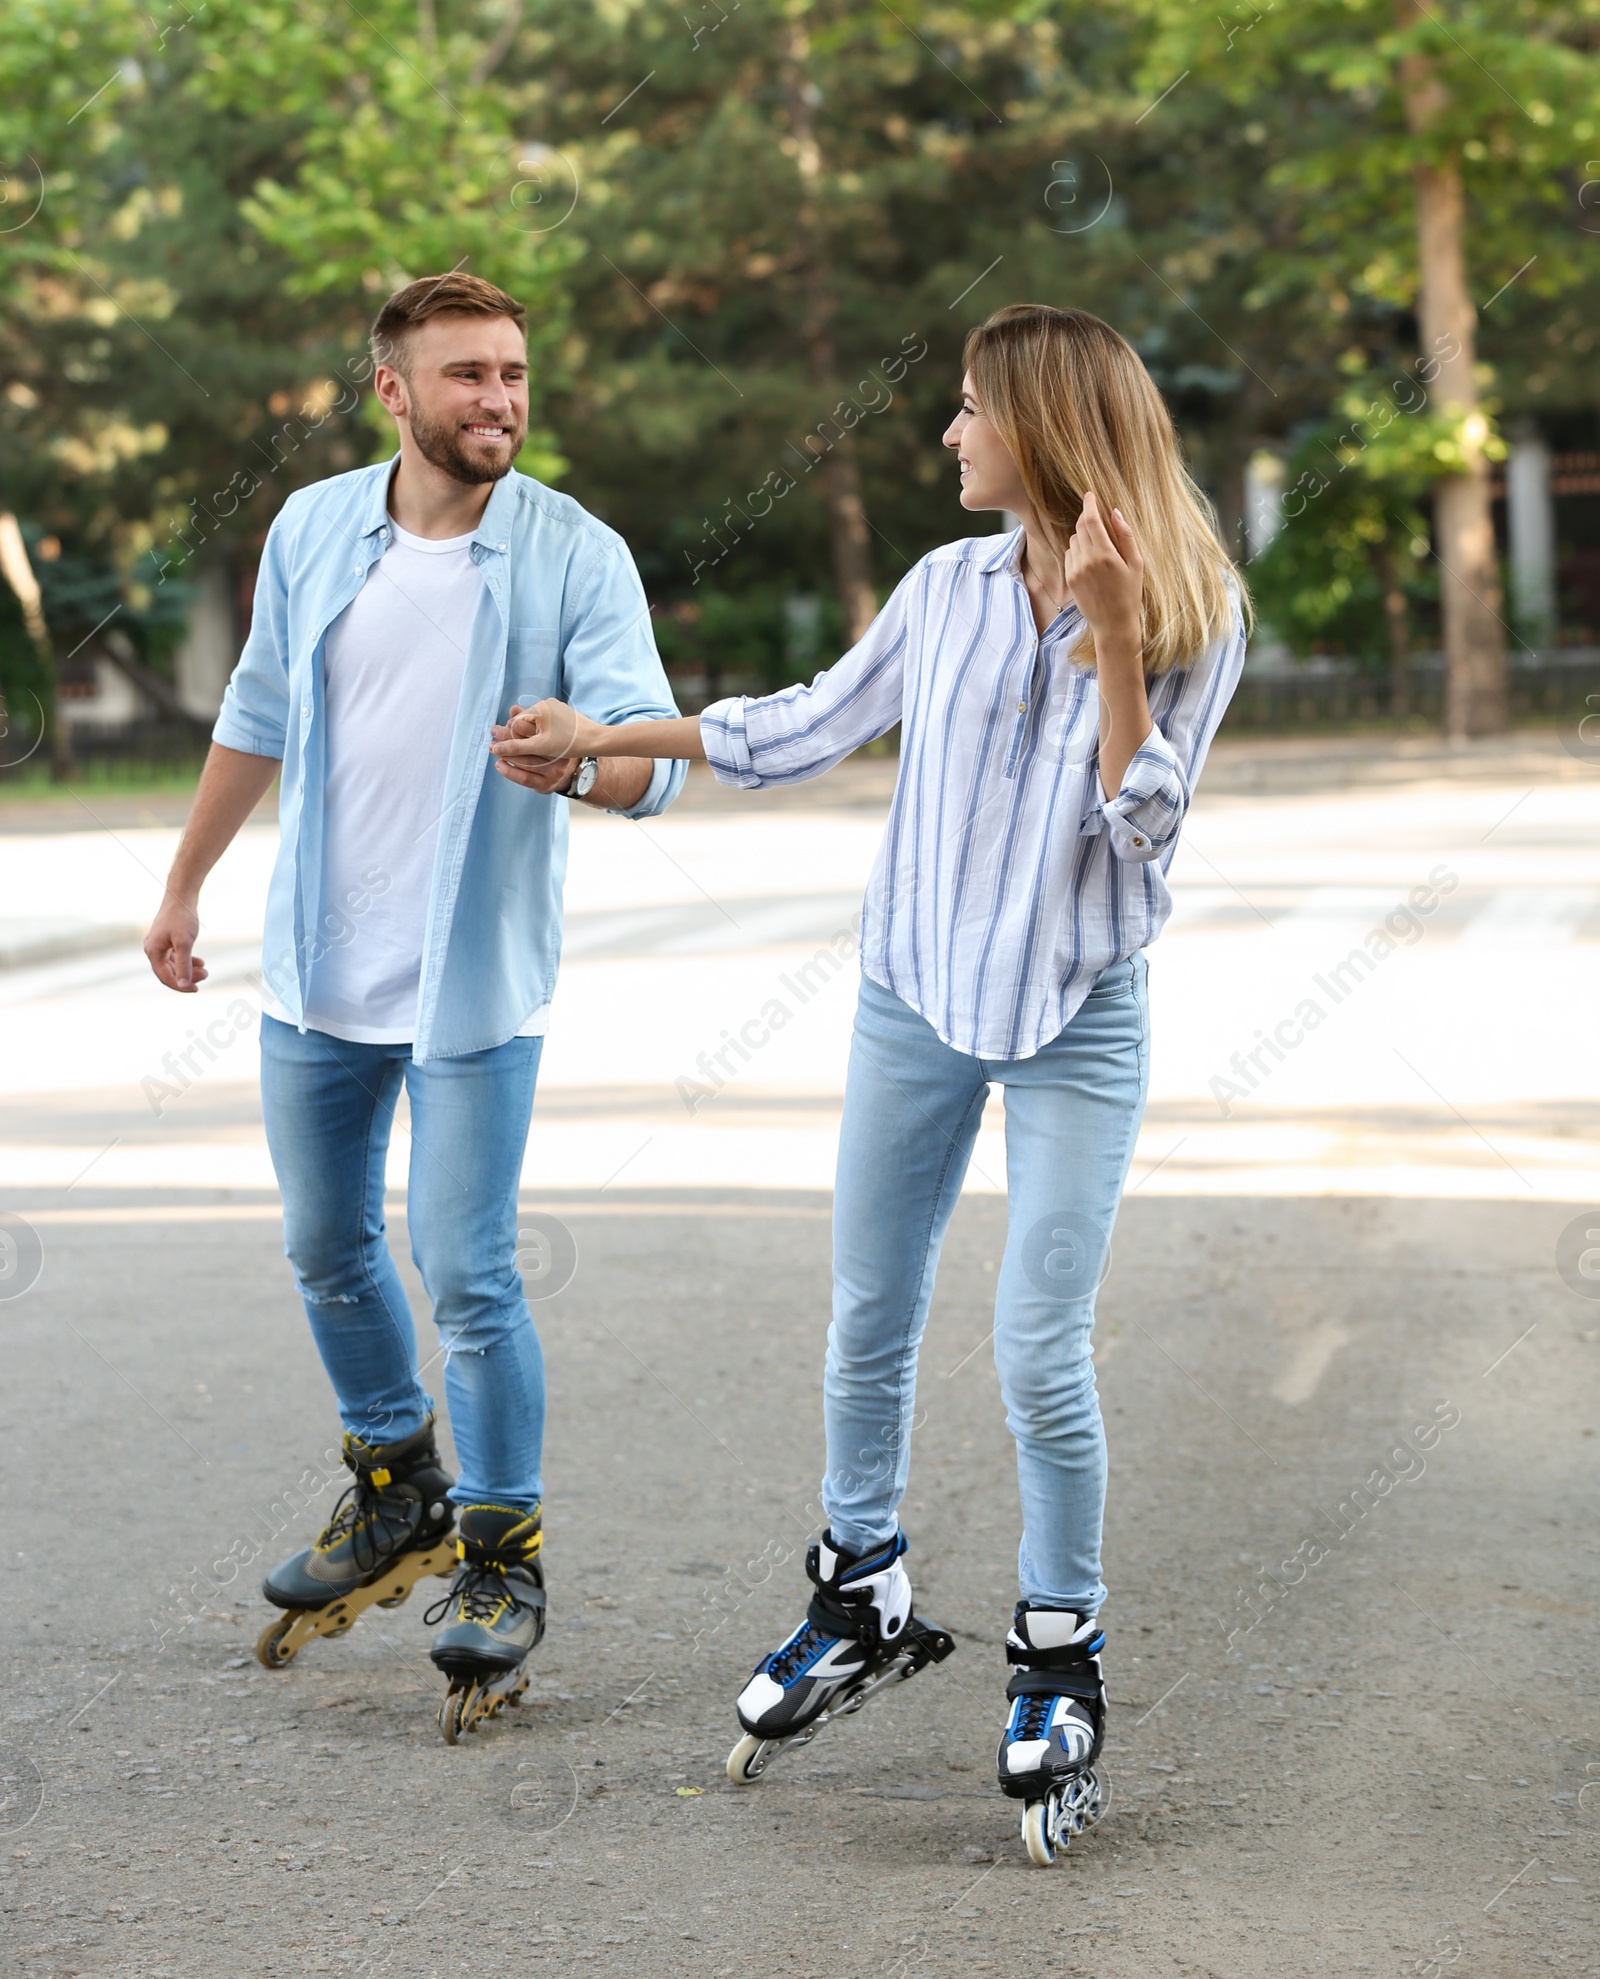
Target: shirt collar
[[493, 530], [1005, 555], [376, 516]]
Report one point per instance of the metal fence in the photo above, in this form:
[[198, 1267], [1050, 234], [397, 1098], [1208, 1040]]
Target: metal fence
[[1291, 695]]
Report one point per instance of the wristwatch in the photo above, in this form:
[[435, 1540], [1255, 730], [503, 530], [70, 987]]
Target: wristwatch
[[583, 782]]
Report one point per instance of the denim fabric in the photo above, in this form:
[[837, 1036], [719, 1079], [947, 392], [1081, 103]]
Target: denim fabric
[[911, 1115], [329, 1106], [562, 612]]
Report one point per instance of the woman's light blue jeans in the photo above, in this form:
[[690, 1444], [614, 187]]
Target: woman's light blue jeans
[[911, 1113], [328, 1107]]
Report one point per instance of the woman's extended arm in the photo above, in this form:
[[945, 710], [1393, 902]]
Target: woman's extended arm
[[786, 737], [551, 729]]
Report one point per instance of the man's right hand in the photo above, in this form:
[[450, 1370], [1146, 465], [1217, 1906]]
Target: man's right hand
[[170, 947], [231, 785]]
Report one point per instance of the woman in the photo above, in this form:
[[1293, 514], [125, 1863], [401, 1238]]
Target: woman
[[1057, 689]]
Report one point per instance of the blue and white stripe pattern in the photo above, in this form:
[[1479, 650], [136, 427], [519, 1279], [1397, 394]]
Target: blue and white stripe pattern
[[1006, 882]]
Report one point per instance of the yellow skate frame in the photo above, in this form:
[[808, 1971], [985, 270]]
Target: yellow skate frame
[[283, 1639]]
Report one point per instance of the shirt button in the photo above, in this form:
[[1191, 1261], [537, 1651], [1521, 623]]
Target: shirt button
[[1137, 839], [1022, 707]]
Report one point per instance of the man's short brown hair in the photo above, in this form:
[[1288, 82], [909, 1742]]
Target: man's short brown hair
[[437, 295]]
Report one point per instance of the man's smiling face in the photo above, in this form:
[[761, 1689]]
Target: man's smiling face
[[465, 382]]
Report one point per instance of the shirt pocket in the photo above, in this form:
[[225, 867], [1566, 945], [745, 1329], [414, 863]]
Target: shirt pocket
[[533, 668], [1071, 727]]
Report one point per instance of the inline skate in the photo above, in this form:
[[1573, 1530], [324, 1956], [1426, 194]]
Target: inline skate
[[1053, 1736], [858, 1635], [388, 1530], [493, 1616]]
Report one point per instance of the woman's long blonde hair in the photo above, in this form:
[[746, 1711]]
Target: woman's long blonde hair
[[1077, 409]]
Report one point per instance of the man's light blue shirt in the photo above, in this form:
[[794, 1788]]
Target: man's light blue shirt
[[562, 613]]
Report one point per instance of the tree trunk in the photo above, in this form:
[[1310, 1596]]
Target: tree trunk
[[848, 529], [1396, 623], [17, 570], [1469, 571]]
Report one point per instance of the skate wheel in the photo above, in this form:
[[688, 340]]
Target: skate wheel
[[396, 1600], [1036, 1825], [450, 1715], [748, 1760], [270, 1653]]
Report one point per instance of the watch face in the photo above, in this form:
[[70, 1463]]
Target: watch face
[[587, 777]]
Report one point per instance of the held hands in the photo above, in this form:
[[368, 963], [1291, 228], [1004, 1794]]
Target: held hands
[[1105, 574], [539, 747]]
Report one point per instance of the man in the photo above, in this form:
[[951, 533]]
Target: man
[[412, 935]]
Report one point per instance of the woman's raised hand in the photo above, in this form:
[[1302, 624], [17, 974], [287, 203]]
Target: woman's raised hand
[[1105, 574]]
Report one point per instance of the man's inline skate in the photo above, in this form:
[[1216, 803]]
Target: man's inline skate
[[1056, 1727], [388, 1530], [493, 1616], [858, 1635]]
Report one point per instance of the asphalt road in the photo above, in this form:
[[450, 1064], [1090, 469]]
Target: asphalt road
[[1352, 1403], [1394, 1766]]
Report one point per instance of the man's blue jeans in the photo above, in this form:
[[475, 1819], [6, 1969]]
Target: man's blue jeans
[[328, 1107], [911, 1112]]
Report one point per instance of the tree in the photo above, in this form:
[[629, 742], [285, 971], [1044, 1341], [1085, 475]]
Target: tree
[[155, 364], [1484, 110], [1346, 572], [401, 158]]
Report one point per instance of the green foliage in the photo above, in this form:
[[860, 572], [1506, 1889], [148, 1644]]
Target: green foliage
[[1352, 528], [765, 634], [1320, 584], [228, 193]]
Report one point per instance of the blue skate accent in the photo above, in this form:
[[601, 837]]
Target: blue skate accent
[[1030, 1715], [791, 1672], [874, 1562]]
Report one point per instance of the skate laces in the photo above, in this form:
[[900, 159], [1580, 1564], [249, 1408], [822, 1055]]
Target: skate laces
[[354, 1514], [1033, 1715], [483, 1595], [1033, 1719], [785, 1664]]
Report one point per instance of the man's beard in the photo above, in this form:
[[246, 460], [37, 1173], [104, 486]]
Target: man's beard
[[444, 446]]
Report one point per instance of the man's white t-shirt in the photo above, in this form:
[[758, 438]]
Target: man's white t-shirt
[[393, 661]]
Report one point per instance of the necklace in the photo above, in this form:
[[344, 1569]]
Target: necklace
[[1060, 604]]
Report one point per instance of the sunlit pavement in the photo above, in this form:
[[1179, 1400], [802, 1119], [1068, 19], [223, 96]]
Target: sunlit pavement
[[702, 1022], [1346, 1352]]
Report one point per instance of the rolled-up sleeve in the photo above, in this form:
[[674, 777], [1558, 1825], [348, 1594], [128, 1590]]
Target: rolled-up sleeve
[[805, 731], [1186, 705], [254, 717], [610, 667]]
